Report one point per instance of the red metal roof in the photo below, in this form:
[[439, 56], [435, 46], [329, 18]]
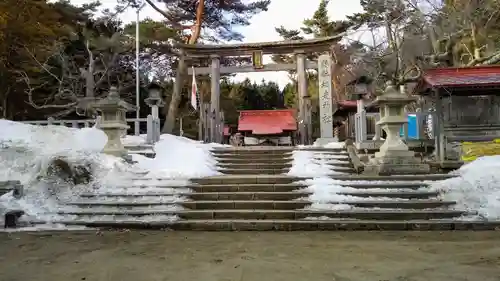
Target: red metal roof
[[462, 77], [267, 122], [348, 104]]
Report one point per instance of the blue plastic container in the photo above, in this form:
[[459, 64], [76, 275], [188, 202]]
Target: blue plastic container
[[412, 127]]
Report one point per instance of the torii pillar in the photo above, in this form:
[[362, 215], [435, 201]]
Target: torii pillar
[[304, 110], [215, 100]]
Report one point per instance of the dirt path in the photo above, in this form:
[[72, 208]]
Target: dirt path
[[249, 256]]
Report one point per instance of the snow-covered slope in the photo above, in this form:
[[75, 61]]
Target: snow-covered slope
[[28, 151]]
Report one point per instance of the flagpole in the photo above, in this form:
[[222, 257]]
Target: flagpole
[[137, 74]]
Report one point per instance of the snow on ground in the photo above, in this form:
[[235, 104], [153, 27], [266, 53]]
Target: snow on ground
[[477, 189], [307, 163], [330, 194], [27, 151]]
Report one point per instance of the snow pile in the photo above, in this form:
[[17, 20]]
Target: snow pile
[[310, 163], [476, 189], [178, 157], [331, 145], [28, 153], [304, 164], [330, 194]]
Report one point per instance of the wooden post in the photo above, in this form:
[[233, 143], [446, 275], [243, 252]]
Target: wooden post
[[206, 122], [438, 129], [302, 93], [200, 120], [221, 132], [215, 95]]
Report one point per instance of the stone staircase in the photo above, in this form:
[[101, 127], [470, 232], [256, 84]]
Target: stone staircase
[[255, 194], [8, 186], [269, 160]]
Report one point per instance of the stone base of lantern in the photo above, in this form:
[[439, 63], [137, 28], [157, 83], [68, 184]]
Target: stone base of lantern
[[325, 141], [114, 146], [396, 163]]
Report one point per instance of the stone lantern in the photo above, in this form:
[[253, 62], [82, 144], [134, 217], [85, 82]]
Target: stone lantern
[[360, 90], [154, 100], [113, 121], [394, 157]]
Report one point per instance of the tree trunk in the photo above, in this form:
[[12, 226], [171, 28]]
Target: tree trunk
[[173, 107]]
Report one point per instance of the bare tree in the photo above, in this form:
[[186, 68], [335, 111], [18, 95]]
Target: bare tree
[[75, 79]]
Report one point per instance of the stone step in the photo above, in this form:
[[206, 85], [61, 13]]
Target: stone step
[[270, 204], [321, 149], [275, 149], [4, 190], [322, 154], [346, 162], [138, 147], [203, 196], [284, 187], [228, 161], [145, 153], [383, 185], [341, 169], [248, 196], [266, 187], [247, 179], [344, 158], [276, 153], [264, 155], [407, 194], [257, 157], [233, 171], [279, 214], [13, 185], [427, 177], [266, 195], [254, 165], [299, 225]]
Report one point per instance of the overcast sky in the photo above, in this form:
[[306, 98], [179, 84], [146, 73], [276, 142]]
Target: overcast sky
[[289, 13]]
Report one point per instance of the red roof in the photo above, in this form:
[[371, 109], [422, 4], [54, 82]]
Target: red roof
[[462, 77], [348, 104], [267, 122]]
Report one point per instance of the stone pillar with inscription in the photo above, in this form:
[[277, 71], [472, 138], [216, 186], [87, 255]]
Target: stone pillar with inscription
[[325, 101], [214, 98], [394, 157]]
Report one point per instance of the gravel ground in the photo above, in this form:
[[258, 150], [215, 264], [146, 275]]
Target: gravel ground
[[248, 256]]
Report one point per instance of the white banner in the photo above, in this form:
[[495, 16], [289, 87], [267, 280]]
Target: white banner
[[194, 92]]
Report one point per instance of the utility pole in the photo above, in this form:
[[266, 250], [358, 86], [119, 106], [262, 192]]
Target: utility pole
[[137, 76]]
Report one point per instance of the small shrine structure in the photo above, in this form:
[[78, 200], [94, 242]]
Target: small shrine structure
[[268, 127], [466, 108]]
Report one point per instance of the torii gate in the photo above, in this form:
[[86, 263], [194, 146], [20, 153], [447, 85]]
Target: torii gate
[[300, 48]]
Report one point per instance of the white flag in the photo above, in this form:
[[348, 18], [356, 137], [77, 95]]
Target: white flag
[[194, 92]]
